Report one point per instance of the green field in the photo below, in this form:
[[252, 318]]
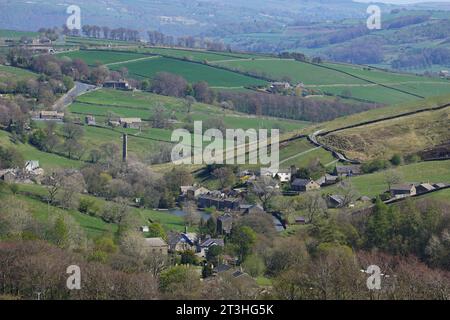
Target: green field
[[92, 225], [380, 113], [297, 71], [92, 57], [374, 184], [196, 55], [46, 160], [143, 104], [339, 79], [8, 73], [301, 153], [192, 72], [16, 35]]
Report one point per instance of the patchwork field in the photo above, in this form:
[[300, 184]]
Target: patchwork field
[[143, 104], [192, 72], [347, 80], [196, 55]]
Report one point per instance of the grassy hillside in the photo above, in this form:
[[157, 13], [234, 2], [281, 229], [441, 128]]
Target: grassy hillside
[[93, 226], [380, 113], [8, 74], [192, 72], [375, 183], [143, 104], [341, 79], [405, 135], [46, 160]]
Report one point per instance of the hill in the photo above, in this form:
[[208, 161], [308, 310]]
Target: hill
[[407, 135]]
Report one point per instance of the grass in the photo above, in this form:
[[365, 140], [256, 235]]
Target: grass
[[46, 160], [374, 184], [93, 225], [192, 72], [16, 35], [337, 79], [196, 55], [405, 135], [8, 73], [92, 57], [380, 113]]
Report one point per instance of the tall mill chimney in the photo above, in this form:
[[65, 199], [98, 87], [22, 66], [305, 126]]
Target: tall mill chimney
[[125, 147]]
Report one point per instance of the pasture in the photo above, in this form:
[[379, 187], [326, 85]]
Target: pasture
[[375, 183], [192, 72], [93, 57]]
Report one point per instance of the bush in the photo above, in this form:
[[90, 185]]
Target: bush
[[396, 160]]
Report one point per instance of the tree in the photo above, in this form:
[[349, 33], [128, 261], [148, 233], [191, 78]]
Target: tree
[[180, 282], [315, 206], [15, 217], [243, 239], [225, 175], [156, 230], [265, 188], [392, 177], [169, 84], [254, 265], [192, 216], [188, 257], [72, 184], [202, 92], [53, 182], [188, 103]]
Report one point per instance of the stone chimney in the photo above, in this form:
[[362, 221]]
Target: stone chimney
[[125, 147]]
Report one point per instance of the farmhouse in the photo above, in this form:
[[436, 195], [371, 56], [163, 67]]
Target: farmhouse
[[192, 192], [224, 224], [424, 188], [31, 166], [403, 190], [157, 245], [304, 185], [122, 85], [283, 175], [51, 115], [327, 180], [144, 229], [348, 171], [220, 203], [132, 123], [90, 120], [335, 201], [204, 246], [8, 175], [279, 86], [179, 242]]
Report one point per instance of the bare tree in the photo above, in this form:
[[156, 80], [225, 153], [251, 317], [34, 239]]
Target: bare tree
[[265, 188]]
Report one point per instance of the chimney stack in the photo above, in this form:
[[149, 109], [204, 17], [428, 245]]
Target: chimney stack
[[125, 147]]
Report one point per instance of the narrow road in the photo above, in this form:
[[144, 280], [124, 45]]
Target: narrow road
[[79, 89], [313, 139]]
